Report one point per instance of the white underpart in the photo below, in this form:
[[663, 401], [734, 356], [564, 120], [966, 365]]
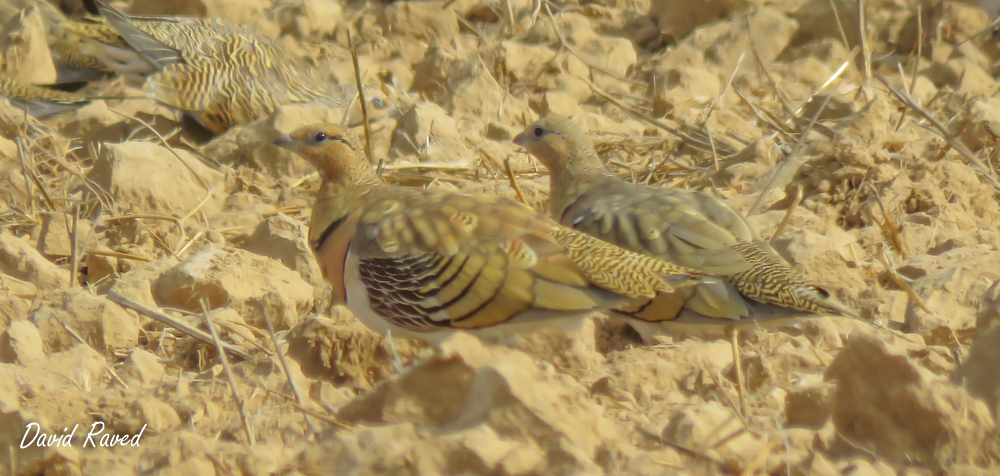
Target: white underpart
[[357, 298]]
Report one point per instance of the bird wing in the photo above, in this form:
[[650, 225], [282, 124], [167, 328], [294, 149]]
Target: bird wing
[[698, 231], [692, 230], [40, 102], [430, 260]]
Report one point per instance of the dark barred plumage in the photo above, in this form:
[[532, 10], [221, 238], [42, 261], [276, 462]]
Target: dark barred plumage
[[220, 73], [40, 102], [688, 228], [422, 263], [771, 281]]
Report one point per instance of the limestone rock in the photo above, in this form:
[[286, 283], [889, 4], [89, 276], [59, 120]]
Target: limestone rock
[[471, 389], [888, 402], [147, 366], [22, 261], [239, 280], [102, 323], [159, 415], [21, 343], [152, 179], [24, 52]]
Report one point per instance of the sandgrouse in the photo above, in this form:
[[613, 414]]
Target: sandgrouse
[[39, 101], [422, 263], [219, 73], [685, 227]]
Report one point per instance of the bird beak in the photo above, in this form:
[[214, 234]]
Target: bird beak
[[286, 141], [521, 140]]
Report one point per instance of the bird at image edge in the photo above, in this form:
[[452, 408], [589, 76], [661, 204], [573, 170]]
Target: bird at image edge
[[421, 263], [685, 227], [220, 73]]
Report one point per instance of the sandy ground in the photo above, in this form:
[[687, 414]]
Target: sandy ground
[[120, 211]]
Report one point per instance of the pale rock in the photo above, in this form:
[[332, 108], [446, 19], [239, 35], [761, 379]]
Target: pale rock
[[90, 119], [559, 104], [809, 406], [230, 323], [152, 179], [25, 53], [771, 31], [976, 82], [949, 284], [342, 350], [250, 13], [237, 279], [11, 286], [22, 261], [814, 18], [159, 415], [677, 18], [287, 240], [147, 366], [891, 404], [979, 373], [430, 134], [468, 388], [573, 86], [21, 343], [307, 18], [524, 61], [422, 21], [10, 389], [102, 323], [137, 284], [702, 426], [55, 237], [79, 368], [12, 307], [254, 143]]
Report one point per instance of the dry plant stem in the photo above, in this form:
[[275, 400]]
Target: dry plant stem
[[833, 77], [916, 61], [163, 141], [840, 24], [866, 50], [788, 213], [176, 324], [895, 238], [80, 340], [943, 132], [74, 251], [741, 385], [711, 109], [642, 117], [791, 159], [572, 49], [310, 412], [117, 254], [229, 373], [361, 96], [758, 461], [513, 181], [905, 286], [281, 355], [177, 221]]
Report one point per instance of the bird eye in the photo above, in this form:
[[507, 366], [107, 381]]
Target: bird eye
[[320, 137], [378, 103], [537, 132]]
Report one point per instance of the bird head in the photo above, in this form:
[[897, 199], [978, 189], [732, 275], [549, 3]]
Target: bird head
[[556, 142], [332, 148]]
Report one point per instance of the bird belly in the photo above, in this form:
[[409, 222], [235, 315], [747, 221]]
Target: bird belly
[[357, 299]]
